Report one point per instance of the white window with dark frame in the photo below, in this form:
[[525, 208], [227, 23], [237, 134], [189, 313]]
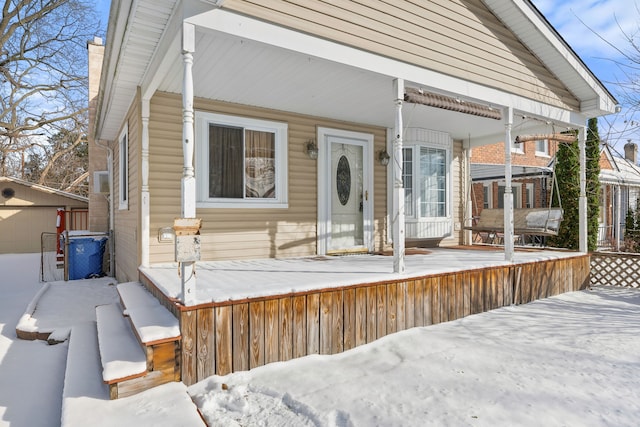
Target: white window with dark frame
[[123, 169], [542, 147], [240, 162], [488, 195], [530, 195], [516, 190]]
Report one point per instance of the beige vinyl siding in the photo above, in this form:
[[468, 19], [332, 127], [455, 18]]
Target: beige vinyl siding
[[28, 214], [461, 38], [20, 234], [246, 233], [127, 220]]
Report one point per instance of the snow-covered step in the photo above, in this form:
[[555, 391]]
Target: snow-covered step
[[120, 352], [135, 295], [82, 376], [141, 346], [152, 322]]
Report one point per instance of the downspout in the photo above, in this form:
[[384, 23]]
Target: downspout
[[145, 202], [508, 194], [112, 246], [398, 187], [582, 200]]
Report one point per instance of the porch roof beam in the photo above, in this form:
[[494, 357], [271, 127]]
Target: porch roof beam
[[418, 96]]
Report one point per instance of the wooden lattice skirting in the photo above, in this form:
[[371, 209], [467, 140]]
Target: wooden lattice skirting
[[615, 269]]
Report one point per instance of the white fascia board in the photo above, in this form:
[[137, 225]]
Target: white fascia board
[[119, 16], [245, 27], [602, 102]]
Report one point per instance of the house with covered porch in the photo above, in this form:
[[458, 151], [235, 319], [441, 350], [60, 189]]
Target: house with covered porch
[[240, 131]]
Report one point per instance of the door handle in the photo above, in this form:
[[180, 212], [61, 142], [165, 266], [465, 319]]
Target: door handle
[[366, 195]]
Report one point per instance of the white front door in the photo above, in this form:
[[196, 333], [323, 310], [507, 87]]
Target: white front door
[[345, 202]]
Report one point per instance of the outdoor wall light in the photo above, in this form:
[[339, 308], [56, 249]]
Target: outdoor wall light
[[312, 149], [383, 157], [166, 234]]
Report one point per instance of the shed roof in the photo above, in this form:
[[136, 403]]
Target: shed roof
[[43, 188]]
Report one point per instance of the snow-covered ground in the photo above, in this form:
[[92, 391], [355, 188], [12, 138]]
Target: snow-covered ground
[[571, 360]]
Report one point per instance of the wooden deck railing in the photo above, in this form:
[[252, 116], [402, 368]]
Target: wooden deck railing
[[241, 335], [615, 269]]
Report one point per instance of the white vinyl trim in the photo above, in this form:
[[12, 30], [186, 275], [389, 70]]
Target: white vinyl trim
[[280, 129], [324, 188], [123, 169]]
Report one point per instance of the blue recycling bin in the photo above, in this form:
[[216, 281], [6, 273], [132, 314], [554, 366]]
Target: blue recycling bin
[[85, 257]]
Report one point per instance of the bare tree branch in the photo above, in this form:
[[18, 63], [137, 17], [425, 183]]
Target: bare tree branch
[[43, 86]]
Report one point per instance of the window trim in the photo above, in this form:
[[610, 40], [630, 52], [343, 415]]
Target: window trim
[[415, 148], [280, 129], [123, 168], [530, 194], [542, 153], [517, 148], [488, 186], [516, 191]]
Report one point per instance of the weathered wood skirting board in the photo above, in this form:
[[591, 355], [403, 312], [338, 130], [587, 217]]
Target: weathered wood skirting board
[[236, 336]]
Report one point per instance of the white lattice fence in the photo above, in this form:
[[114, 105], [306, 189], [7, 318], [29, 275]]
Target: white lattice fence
[[615, 269]]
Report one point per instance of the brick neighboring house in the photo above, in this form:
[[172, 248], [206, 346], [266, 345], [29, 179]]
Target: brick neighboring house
[[531, 170], [620, 191]]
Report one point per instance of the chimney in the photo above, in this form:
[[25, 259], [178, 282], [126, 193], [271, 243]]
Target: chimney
[[631, 152]]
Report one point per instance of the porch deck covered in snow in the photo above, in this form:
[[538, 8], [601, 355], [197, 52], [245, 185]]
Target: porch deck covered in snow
[[253, 312]]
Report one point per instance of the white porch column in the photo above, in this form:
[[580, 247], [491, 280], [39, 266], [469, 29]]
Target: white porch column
[[188, 176], [508, 193], [187, 268], [398, 187], [582, 200], [144, 208], [616, 223], [467, 235]]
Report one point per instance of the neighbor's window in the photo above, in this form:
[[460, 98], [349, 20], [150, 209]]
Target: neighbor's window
[[530, 195], [542, 147], [425, 177], [241, 162], [516, 190], [487, 202], [123, 169], [517, 147]]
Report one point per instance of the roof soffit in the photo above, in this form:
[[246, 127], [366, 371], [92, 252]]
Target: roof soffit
[[134, 33]]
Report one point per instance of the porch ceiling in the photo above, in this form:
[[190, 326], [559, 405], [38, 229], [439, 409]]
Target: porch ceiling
[[248, 72]]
